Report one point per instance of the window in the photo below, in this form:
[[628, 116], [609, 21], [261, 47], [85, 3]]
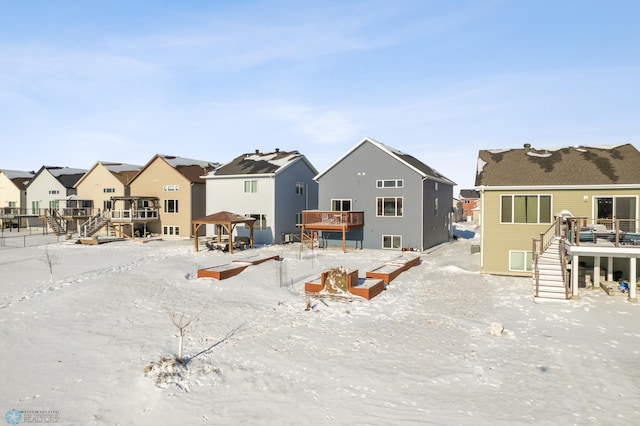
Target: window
[[340, 205], [519, 260], [35, 207], [390, 183], [171, 230], [391, 241], [108, 190], [144, 204], [53, 205], [108, 205], [435, 207], [260, 223], [435, 186], [299, 188], [250, 186], [171, 206], [525, 209], [171, 188], [54, 191], [13, 204], [298, 219], [389, 206]]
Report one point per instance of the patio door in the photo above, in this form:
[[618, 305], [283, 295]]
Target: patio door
[[621, 208]]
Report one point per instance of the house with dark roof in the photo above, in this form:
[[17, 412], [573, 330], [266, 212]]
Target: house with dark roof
[[469, 200], [405, 203], [50, 186], [271, 187], [551, 196], [105, 180], [13, 195], [179, 187]]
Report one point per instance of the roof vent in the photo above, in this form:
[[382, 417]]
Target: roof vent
[[277, 149], [527, 145], [257, 151]]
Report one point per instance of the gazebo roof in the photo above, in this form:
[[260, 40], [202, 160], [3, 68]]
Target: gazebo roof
[[223, 217]]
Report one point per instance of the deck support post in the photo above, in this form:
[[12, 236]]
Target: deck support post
[[596, 272], [575, 271], [632, 279]]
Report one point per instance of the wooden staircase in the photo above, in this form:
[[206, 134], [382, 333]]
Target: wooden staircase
[[56, 223], [94, 224], [549, 274]]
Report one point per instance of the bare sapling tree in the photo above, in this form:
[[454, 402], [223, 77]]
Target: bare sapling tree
[[50, 260], [181, 322]]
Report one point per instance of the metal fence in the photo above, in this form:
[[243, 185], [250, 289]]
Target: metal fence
[[27, 237]]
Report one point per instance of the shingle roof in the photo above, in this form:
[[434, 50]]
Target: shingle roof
[[469, 193], [577, 165], [258, 163], [407, 159]]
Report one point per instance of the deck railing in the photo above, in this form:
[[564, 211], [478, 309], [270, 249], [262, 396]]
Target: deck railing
[[134, 214], [330, 218]]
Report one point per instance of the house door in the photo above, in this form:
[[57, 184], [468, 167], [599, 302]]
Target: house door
[[621, 208]]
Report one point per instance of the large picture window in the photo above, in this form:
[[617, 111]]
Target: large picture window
[[389, 206], [340, 205], [525, 209], [520, 261], [260, 223]]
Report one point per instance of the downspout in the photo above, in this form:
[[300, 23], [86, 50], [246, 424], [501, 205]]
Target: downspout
[[482, 216], [422, 214]]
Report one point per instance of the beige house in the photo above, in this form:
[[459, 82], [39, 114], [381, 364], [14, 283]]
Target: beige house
[[178, 184], [106, 180], [529, 193], [13, 196]]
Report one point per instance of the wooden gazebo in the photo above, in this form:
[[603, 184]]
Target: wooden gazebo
[[225, 220]]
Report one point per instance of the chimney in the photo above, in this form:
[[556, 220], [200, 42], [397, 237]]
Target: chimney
[[277, 149], [257, 151]]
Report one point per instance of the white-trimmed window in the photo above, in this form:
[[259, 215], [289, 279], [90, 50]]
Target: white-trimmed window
[[389, 206], [299, 188], [12, 204], [340, 205], [171, 188], [390, 183], [435, 206], [391, 241], [435, 186], [108, 190], [171, 230], [260, 223], [298, 219], [107, 205], [250, 186], [520, 260], [171, 206], [525, 209], [54, 191]]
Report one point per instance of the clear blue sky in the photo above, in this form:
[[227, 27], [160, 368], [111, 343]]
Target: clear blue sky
[[111, 80]]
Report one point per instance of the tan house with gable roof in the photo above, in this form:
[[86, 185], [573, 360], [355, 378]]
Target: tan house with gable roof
[[524, 191], [181, 191], [105, 180]]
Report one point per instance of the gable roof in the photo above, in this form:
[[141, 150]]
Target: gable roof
[[121, 171], [469, 193], [408, 160], [262, 163], [67, 176], [191, 169], [18, 177], [576, 165]]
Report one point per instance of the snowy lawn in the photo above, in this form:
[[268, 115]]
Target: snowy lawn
[[98, 346]]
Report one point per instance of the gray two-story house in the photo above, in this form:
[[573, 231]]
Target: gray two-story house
[[405, 203]]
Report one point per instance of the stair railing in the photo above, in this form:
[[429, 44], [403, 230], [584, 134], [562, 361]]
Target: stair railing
[[540, 245]]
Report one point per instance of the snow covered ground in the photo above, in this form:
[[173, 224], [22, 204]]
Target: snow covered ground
[[421, 352]]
